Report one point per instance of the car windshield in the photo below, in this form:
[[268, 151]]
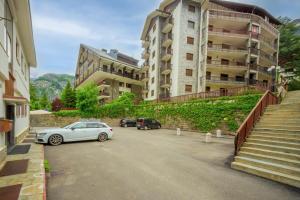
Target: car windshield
[[70, 125]]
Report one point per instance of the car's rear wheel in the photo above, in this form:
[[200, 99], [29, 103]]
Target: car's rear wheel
[[102, 137], [55, 139]]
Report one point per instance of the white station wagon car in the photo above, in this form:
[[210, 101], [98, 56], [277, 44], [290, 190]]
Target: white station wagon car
[[78, 131]]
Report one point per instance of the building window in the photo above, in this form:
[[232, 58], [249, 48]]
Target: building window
[[192, 8], [153, 41], [152, 93], [152, 80], [190, 40], [153, 67], [189, 72], [18, 51], [153, 54], [188, 88], [189, 56], [154, 27], [121, 84], [207, 89], [224, 77], [128, 85], [191, 24]]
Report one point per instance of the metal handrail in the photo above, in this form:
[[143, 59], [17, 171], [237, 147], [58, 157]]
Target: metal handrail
[[246, 127]]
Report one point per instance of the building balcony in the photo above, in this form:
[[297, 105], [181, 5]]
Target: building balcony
[[260, 69], [254, 51], [220, 65], [146, 42], [145, 89], [268, 44], [145, 77], [165, 83], [217, 80], [267, 59], [145, 66], [103, 95], [242, 17], [167, 55], [102, 85], [168, 25], [225, 49], [146, 54], [167, 40], [166, 68], [103, 73], [222, 32]]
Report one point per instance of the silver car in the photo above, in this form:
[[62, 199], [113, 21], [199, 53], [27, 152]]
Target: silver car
[[78, 131]]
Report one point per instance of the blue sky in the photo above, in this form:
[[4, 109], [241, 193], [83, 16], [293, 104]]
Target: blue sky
[[60, 26]]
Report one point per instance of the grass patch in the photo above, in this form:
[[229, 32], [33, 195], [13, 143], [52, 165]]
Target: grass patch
[[47, 166]]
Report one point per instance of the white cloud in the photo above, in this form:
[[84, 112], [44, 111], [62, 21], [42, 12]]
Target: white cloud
[[62, 27]]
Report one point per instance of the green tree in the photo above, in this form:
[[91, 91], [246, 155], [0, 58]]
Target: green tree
[[44, 102], [87, 98], [34, 101], [289, 45], [68, 96]]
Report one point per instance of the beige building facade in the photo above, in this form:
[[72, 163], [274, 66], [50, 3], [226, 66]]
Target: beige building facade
[[113, 72], [193, 46], [17, 55]]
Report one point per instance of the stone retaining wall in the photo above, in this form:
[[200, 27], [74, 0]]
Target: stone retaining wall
[[50, 120]]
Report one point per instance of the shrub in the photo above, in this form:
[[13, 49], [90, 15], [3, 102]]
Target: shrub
[[87, 98], [56, 105]]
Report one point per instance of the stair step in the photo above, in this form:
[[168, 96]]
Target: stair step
[[272, 159], [272, 138], [276, 130], [269, 166], [271, 153], [277, 134], [288, 127], [275, 143], [273, 148], [275, 176]]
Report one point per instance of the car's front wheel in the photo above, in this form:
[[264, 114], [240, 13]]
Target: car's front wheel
[[102, 137], [55, 139]]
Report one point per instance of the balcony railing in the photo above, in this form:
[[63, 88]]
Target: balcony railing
[[220, 63], [243, 16], [166, 67], [268, 57], [167, 25], [125, 74], [269, 43], [144, 76], [146, 42], [219, 79], [164, 96], [254, 51], [228, 31], [260, 69], [165, 82], [225, 47], [104, 93]]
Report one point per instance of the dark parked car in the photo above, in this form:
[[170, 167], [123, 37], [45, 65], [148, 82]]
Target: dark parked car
[[147, 123], [127, 123]]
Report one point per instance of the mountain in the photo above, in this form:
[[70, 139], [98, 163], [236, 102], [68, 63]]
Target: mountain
[[52, 84]]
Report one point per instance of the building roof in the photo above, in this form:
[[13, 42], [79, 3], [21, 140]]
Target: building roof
[[22, 14], [248, 8], [103, 53]]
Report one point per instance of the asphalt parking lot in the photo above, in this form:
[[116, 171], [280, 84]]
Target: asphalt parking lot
[[154, 165]]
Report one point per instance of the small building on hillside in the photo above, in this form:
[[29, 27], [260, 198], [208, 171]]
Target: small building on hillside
[[112, 71]]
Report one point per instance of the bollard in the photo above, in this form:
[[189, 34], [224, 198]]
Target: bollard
[[178, 131], [219, 133], [208, 138]]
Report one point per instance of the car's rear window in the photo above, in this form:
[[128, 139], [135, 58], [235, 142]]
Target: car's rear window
[[140, 120]]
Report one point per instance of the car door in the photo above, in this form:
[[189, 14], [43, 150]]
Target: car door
[[93, 130], [78, 132]]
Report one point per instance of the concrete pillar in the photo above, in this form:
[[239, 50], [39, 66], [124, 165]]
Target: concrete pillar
[[208, 138], [178, 131], [219, 133]]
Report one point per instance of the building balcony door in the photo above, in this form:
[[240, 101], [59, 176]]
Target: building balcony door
[[10, 136]]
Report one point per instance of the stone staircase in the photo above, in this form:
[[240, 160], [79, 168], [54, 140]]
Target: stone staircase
[[272, 150]]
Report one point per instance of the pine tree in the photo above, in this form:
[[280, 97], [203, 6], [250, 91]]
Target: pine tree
[[68, 96]]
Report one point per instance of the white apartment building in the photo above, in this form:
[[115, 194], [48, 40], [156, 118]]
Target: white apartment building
[[113, 72], [193, 46], [17, 55]]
